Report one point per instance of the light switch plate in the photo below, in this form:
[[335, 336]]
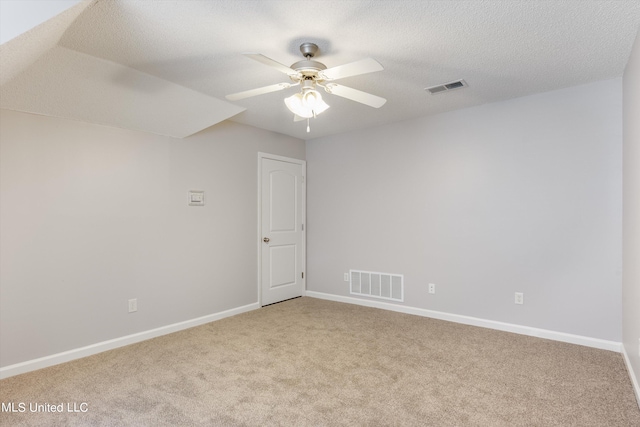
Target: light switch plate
[[196, 198]]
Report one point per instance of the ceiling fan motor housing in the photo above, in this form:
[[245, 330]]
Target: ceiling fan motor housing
[[308, 67]]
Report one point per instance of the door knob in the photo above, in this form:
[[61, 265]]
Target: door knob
[[266, 240]]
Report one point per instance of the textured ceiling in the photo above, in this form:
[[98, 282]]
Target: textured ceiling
[[165, 66]]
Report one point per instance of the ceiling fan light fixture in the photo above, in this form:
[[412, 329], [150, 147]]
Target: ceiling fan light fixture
[[294, 104], [308, 104], [313, 100]]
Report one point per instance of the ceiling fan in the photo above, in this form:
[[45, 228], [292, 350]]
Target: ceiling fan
[[309, 75]]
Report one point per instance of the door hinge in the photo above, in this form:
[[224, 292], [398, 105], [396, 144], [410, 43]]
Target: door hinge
[[302, 227], [303, 274]]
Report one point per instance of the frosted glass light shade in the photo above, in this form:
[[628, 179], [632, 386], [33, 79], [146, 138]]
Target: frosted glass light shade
[[306, 105], [294, 104]]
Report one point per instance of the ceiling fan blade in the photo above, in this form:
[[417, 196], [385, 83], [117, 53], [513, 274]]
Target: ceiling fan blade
[[364, 66], [259, 91], [270, 62], [355, 95]]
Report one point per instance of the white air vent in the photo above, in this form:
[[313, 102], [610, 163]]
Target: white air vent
[[446, 87], [378, 285]]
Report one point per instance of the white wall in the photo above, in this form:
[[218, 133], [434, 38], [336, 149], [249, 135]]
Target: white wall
[[91, 216], [631, 214], [517, 196]]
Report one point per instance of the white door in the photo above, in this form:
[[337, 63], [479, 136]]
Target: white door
[[281, 228]]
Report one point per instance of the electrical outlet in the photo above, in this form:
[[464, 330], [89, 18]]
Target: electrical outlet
[[133, 305], [432, 288], [346, 277], [519, 298]]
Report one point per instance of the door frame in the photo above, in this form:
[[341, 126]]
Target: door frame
[[303, 164]]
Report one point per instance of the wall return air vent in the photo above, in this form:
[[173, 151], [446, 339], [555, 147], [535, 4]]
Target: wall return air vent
[[378, 285], [446, 87]]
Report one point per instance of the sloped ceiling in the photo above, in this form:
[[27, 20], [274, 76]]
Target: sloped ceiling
[[165, 66], [19, 16]]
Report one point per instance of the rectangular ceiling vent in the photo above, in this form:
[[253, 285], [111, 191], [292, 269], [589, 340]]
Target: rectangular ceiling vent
[[446, 87], [378, 285]]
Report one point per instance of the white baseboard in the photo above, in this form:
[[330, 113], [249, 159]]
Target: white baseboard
[[634, 379], [475, 321], [55, 359]]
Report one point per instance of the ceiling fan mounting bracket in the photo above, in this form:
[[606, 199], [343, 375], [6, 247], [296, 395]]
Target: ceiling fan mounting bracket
[[308, 50]]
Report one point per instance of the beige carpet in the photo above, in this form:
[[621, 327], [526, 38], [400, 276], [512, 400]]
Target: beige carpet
[[313, 362]]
